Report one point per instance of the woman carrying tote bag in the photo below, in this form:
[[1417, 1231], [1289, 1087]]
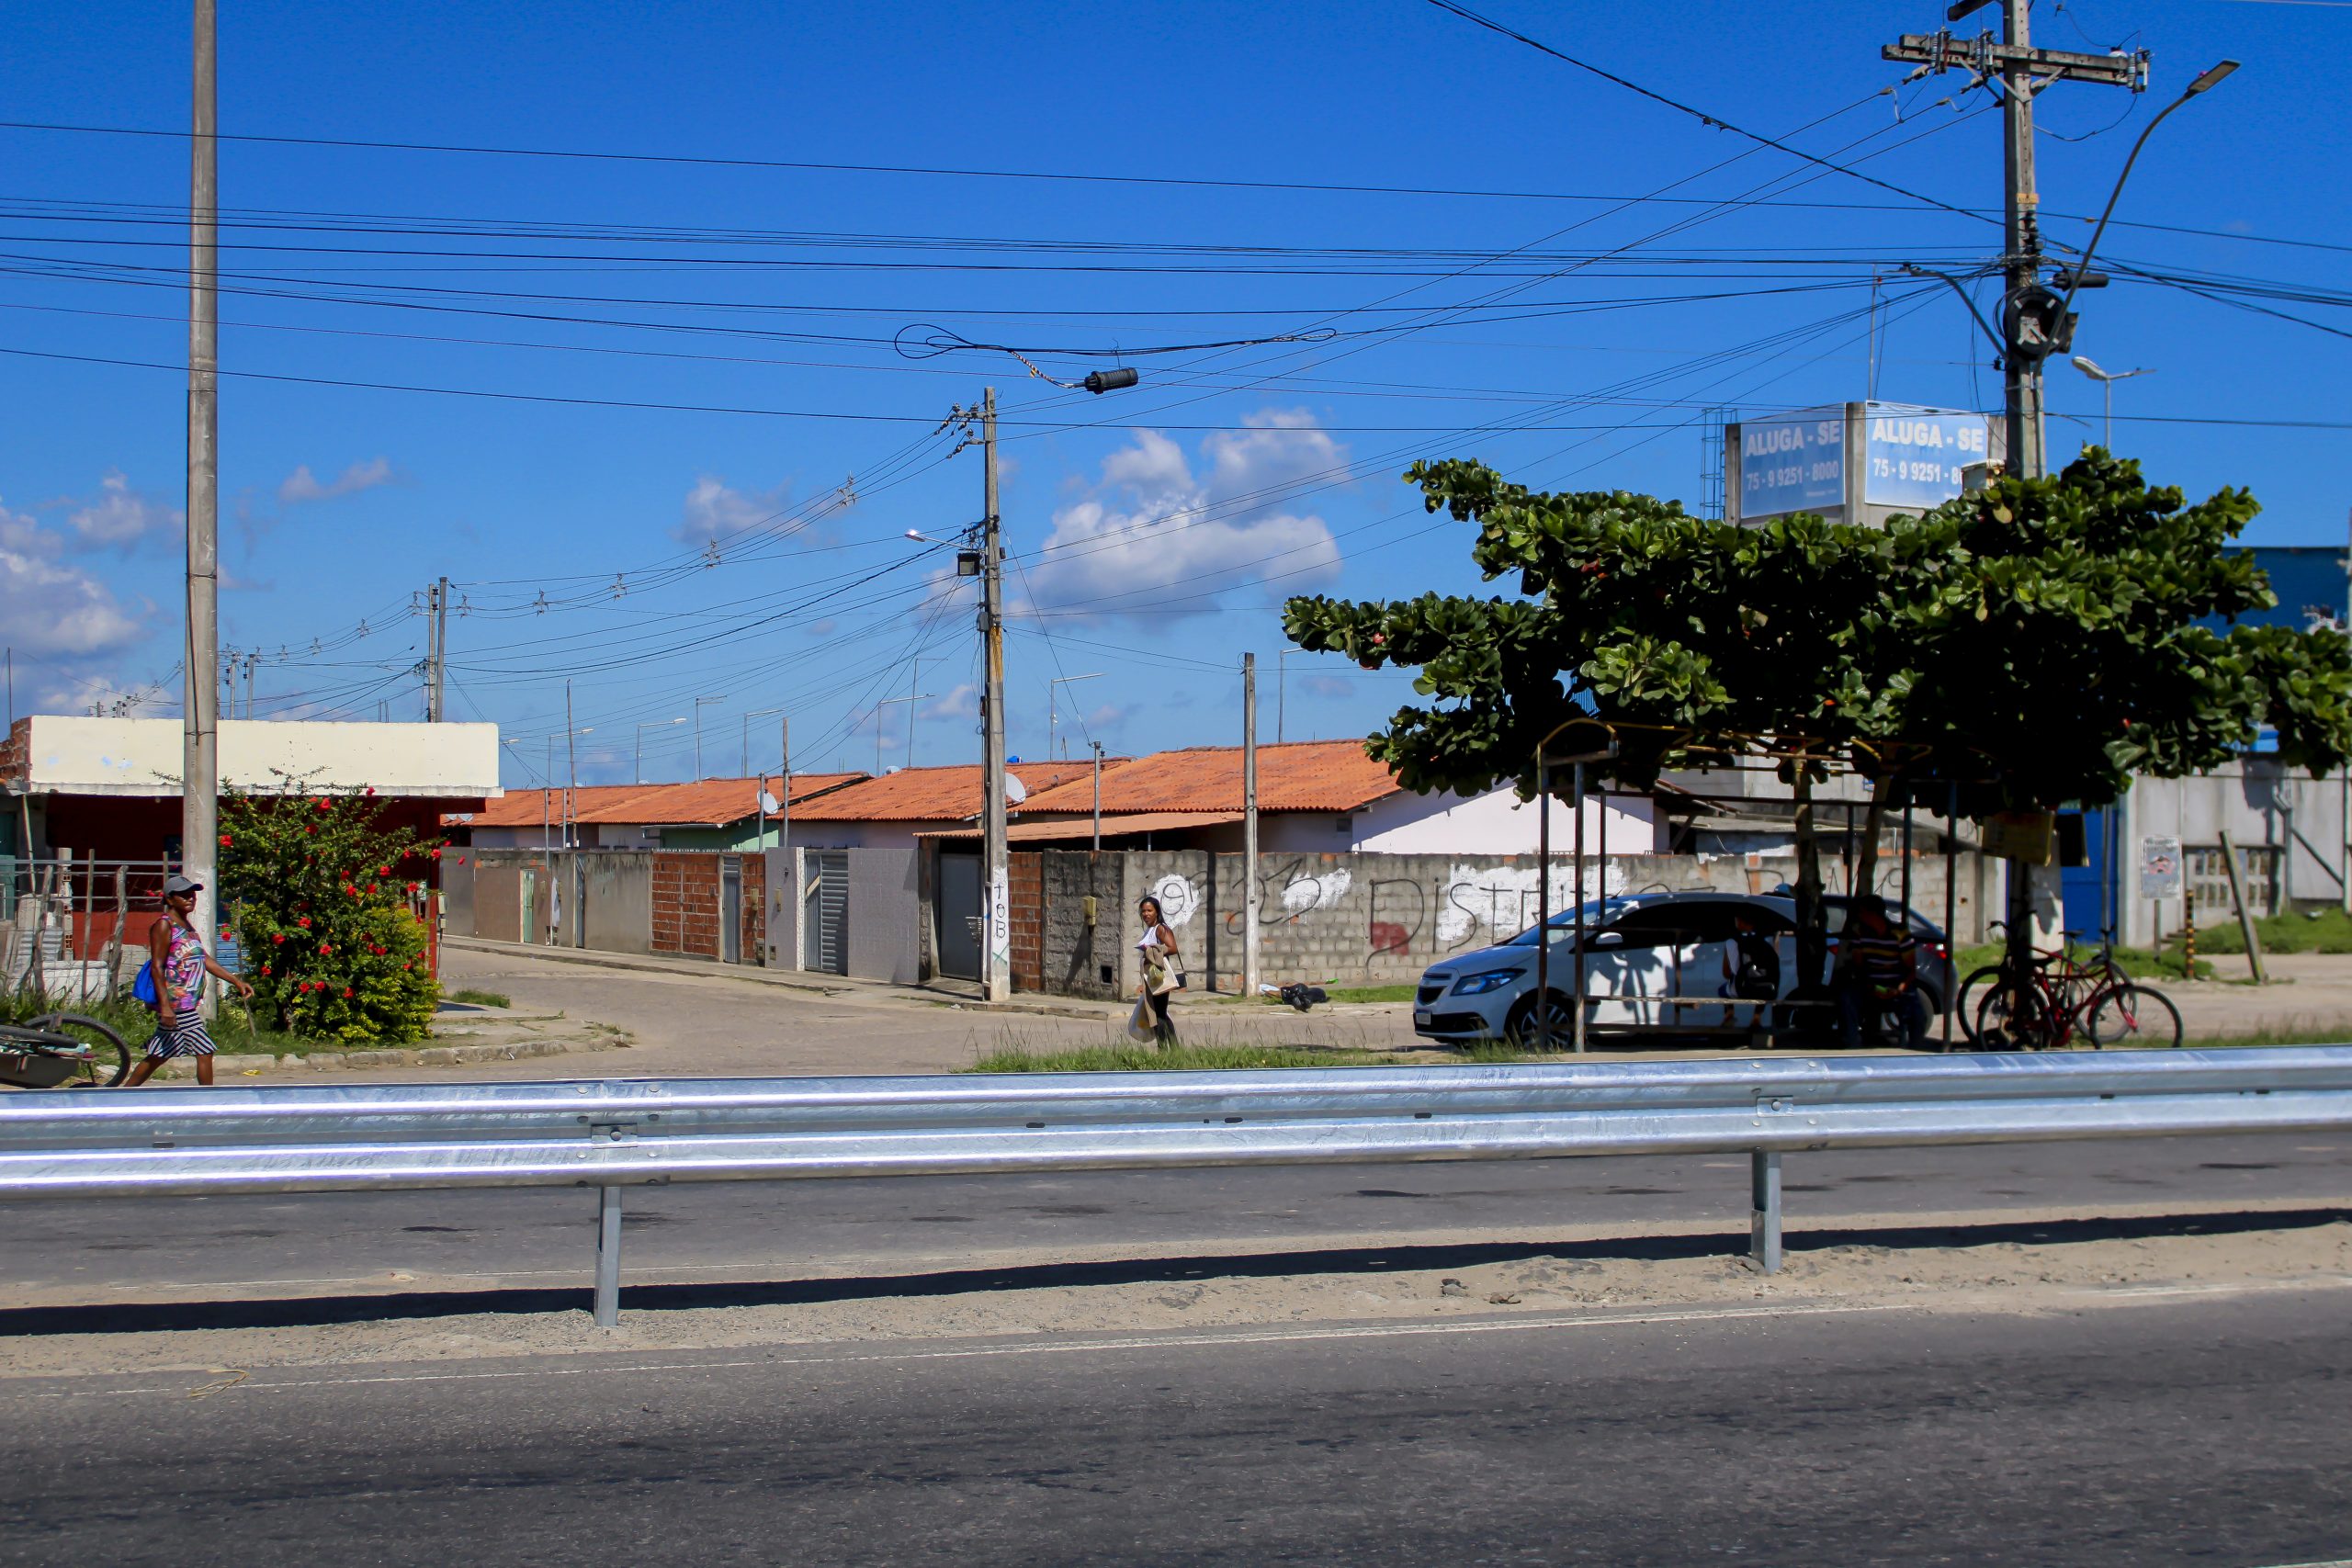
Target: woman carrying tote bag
[[1163, 971]]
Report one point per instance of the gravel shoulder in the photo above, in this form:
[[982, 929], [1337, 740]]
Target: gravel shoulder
[[1964, 1261]]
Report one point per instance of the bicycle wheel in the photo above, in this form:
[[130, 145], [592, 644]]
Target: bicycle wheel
[[1965, 1011], [110, 1054], [2013, 1018], [2132, 1018]]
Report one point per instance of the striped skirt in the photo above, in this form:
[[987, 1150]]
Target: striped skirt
[[185, 1038]]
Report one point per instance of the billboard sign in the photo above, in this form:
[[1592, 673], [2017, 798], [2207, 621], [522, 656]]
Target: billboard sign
[[1793, 462], [1912, 457]]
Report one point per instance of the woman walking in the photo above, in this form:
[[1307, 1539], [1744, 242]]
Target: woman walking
[[1163, 969], [176, 966]]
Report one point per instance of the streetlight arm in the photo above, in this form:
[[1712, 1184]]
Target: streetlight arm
[[2074, 274]]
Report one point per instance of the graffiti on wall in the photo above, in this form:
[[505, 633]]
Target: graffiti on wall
[[1419, 914]]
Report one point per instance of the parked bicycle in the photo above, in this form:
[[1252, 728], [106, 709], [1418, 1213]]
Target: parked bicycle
[[2058, 1000], [62, 1050]]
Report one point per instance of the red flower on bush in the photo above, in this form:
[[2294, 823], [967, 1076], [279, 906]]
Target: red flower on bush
[[322, 803], [348, 993], [279, 937], [304, 921], [436, 854], [373, 886], [325, 948], [384, 871], [265, 969], [310, 828], [226, 840]]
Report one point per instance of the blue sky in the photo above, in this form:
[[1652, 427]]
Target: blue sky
[[1155, 530]]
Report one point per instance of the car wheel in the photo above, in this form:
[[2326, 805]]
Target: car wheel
[[1521, 1029]]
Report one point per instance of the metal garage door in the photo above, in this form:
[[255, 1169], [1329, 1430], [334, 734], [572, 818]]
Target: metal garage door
[[824, 913]]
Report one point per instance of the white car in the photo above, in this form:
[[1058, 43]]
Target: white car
[[1655, 959]]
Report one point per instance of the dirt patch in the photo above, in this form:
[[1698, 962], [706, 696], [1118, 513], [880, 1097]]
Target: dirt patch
[[2040, 1262]]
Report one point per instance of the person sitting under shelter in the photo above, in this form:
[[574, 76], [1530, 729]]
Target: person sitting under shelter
[[1878, 972]]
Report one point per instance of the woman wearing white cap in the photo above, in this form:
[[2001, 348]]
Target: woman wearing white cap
[[176, 966]]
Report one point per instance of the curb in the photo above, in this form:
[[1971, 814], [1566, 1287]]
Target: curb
[[753, 975], [408, 1057]]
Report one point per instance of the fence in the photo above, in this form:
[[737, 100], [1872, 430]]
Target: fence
[[614, 1134]]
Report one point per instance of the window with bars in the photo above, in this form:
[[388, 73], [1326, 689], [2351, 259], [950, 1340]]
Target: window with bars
[[2209, 880]]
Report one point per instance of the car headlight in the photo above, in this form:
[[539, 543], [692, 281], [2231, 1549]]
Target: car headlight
[[1489, 980]]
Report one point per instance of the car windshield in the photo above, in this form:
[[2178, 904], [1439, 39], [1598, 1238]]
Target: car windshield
[[1596, 912]]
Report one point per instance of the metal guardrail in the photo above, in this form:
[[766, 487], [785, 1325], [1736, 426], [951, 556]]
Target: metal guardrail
[[613, 1134]]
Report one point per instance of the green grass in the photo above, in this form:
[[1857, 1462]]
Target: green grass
[[1357, 994], [233, 1031], [2326, 930], [2136, 962], [482, 998], [1181, 1058]]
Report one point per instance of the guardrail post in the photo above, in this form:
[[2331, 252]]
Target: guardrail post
[[608, 1254], [1764, 1203]]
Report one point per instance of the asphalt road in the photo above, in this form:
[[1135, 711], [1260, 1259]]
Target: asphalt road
[[2208, 1430], [105, 1264]]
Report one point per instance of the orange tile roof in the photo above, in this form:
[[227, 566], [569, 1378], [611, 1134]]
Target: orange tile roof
[[932, 795], [708, 802], [1070, 829], [1302, 775], [521, 808], [711, 801]]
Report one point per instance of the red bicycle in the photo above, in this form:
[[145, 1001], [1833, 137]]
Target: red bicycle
[[2058, 1000]]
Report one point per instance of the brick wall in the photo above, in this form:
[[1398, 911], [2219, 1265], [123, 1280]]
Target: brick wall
[[1025, 895], [685, 904]]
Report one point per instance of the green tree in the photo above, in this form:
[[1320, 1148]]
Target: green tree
[[320, 891], [2036, 643]]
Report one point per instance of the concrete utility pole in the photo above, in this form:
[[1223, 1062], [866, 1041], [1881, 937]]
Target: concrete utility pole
[[438, 698], [200, 789], [1251, 897], [996, 953], [2035, 320]]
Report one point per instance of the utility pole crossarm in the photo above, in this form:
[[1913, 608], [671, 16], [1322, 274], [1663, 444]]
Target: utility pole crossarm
[[1985, 56]]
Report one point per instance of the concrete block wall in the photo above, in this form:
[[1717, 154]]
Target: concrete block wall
[[1364, 918]]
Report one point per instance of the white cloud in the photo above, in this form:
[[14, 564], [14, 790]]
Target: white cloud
[[301, 486], [1332, 686], [960, 702], [47, 607], [1158, 535], [120, 517], [717, 510]]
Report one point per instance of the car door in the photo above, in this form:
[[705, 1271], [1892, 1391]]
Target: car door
[[1630, 965]]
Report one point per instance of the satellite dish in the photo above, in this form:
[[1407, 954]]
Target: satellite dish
[[769, 803], [1015, 792]]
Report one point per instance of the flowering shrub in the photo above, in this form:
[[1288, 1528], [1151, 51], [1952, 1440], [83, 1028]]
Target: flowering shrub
[[320, 894]]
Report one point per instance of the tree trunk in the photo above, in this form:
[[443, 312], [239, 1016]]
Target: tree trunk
[[1812, 939], [1873, 824]]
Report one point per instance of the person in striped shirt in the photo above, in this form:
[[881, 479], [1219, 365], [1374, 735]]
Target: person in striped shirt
[[1878, 972]]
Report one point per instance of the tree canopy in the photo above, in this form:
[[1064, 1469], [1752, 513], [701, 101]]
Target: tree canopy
[[2036, 643]]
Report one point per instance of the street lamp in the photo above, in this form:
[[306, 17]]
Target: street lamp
[[2080, 273], [652, 724], [698, 702], [2107, 380], [1053, 708]]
